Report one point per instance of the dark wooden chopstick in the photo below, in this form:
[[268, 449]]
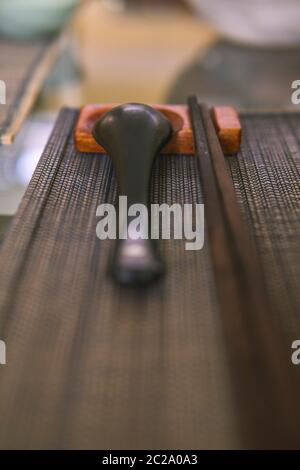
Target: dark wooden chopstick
[[266, 387]]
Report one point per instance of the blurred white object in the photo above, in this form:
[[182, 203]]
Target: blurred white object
[[26, 19], [257, 22]]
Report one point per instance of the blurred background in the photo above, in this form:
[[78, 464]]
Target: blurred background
[[153, 51], [127, 51]]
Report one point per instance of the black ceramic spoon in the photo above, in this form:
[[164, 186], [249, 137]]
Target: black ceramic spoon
[[133, 134]]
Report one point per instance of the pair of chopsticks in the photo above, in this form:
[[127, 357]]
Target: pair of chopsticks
[[267, 391]]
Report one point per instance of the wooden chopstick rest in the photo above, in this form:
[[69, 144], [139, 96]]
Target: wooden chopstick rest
[[181, 142], [226, 120]]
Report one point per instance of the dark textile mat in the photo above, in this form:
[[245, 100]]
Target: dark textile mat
[[266, 177], [19, 67], [94, 365]]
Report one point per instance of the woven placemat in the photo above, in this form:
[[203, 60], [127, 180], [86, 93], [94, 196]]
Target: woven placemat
[[23, 68], [266, 177], [94, 365]]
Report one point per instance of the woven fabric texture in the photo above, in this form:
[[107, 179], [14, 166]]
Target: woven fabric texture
[[94, 365], [266, 177]]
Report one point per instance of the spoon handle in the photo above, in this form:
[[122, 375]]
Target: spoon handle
[[133, 135]]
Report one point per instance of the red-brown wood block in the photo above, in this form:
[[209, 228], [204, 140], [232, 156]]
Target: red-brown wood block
[[182, 141], [228, 128]]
